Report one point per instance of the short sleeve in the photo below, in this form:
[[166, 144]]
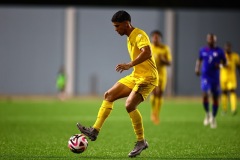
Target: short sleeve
[[142, 41]]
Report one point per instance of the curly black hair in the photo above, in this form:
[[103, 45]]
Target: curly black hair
[[121, 16]]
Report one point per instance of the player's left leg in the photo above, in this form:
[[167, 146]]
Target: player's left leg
[[153, 102], [232, 86], [158, 100], [224, 95], [63, 94], [138, 94], [158, 104], [213, 122], [132, 102], [224, 100], [233, 101], [205, 86], [215, 89], [208, 114]]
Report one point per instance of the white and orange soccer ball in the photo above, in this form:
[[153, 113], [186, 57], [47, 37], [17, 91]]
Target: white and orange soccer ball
[[78, 143]]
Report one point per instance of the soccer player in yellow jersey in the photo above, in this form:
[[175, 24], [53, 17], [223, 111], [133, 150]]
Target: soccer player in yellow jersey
[[135, 86], [163, 58], [228, 79]]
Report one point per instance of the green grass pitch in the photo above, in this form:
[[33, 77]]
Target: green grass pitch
[[40, 129]]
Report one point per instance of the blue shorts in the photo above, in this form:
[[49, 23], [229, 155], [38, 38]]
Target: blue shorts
[[211, 85]]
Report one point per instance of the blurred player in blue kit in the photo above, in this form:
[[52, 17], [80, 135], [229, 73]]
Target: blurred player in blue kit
[[208, 66]]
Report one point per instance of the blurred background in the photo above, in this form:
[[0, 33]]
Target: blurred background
[[36, 40]]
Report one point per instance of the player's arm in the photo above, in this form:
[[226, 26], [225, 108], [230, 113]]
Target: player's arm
[[198, 66], [198, 63], [164, 60], [143, 56], [238, 68], [167, 58], [238, 64], [223, 61]]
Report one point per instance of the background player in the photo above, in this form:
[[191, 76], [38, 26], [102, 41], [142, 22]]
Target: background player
[[61, 82], [228, 79], [210, 58], [136, 86], [162, 54]]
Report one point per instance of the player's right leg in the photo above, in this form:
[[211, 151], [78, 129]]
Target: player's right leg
[[215, 95], [116, 92], [208, 115], [224, 95], [156, 109], [231, 87], [132, 102], [224, 101], [233, 101], [205, 86], [153, 104], [139, 93]]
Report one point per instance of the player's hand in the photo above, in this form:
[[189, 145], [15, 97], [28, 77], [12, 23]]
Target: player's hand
[[162, 58], [217, 65], [197, 72], [122, 67]]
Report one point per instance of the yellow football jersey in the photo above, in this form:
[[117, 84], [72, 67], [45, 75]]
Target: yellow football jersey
[[229, 72], [159, 51], [147, 69]]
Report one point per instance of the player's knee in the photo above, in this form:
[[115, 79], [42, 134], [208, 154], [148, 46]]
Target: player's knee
[[129, 106], [205, 98], [224, 92], [215, 102], [108, 97], [159, 93]]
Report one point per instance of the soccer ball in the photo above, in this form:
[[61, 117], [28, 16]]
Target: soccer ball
[[77, 143]]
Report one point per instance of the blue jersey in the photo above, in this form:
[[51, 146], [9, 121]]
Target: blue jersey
[[211, 59]]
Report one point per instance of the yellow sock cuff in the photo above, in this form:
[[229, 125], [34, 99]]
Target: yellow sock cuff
[[107, 104], [134, 113]]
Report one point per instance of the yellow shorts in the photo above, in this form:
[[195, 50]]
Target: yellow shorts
[[140, 85], [228, 85]]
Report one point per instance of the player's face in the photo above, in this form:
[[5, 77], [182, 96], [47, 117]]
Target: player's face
[[227, 48], [156, 39], [120, 27], [211, 40]]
